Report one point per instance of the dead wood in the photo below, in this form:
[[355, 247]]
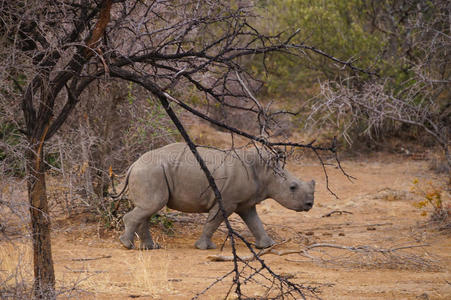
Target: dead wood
[[363, 255], [338, 212], [369, 256], [84, 271], [94, 258]]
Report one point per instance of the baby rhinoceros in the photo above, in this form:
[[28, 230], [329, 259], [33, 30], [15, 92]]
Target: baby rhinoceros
[[171, 176]]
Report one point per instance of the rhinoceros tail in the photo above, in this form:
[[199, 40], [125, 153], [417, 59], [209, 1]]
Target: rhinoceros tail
[[125, 185]]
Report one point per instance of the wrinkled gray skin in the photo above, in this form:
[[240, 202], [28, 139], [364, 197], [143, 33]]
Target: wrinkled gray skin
[[171, 176]]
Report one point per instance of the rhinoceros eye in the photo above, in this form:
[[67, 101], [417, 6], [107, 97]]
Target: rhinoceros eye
[[293, 186]]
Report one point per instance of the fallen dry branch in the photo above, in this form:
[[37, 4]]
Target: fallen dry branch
[[337, 212], [362, 248], [369, 256], [93, 258], [270, 250], [363, 256], [84, 271]]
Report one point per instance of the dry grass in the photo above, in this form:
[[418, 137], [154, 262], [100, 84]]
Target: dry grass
[[146, 275], [15, 270], [152, 274], [16, 274]]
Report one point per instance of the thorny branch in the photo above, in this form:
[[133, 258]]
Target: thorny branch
[[371, 256], [379, 257], [212, 184], [231, 232]]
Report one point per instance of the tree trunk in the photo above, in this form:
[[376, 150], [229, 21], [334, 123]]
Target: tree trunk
[[44, 275], [448, 160]]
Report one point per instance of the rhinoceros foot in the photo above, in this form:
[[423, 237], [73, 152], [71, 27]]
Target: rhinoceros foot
[[126, 242], [266, 243], [204, 244], [149, 245]]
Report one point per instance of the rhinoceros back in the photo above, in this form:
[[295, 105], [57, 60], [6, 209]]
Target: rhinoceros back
[[189, 190]]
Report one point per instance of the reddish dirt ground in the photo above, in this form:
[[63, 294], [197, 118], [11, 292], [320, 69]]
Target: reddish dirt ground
[[380, 212]]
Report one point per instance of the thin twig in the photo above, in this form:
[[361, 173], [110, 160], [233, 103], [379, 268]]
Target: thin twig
[[84, 271], [94, 258], [338, 212]]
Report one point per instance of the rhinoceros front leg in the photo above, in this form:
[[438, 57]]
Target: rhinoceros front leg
[[252, 220], [214, 219]]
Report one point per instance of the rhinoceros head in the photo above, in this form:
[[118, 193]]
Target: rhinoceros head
[[293, 193]]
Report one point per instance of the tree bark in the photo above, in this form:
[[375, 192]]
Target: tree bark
[[44, 275]]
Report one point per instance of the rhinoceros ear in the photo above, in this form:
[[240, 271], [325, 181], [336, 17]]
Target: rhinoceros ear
[[312, 183]]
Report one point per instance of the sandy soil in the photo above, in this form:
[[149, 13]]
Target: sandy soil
[[379, 213]]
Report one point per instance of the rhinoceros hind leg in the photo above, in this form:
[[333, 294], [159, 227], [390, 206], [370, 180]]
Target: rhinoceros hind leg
[[147, 242], [253, 222], [126, 242], [132, 221], [149, 196]]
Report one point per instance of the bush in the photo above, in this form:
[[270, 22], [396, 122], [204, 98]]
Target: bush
[[435, 202]]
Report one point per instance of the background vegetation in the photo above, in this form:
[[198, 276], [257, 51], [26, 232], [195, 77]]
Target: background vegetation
[[406, 43], [83, 85]]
